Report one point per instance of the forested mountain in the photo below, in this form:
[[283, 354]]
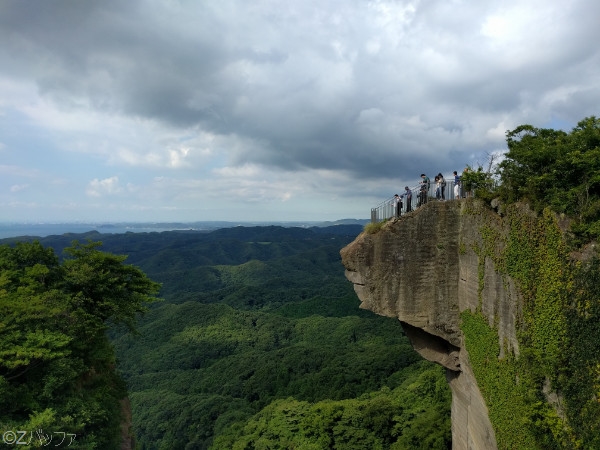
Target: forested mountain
[[259, 343]]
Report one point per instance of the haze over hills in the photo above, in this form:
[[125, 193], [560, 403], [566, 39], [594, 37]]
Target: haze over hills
[[42, 229]]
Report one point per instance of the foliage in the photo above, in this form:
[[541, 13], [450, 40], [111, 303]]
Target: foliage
[[56, 364], [478, 181], [536, 256], [253, 316], [374, 227], [508, 397], [284, 324], [554, 172], [580, 378], [551, 168], [400, 418], [557, 330], [244, 360]]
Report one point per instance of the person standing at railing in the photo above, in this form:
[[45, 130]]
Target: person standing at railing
[[456, 184], [408, 196], [397, 202], [441, 189], [424, 191]]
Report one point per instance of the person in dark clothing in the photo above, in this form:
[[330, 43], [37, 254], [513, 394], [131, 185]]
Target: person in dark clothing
[[408, 196], [456, 184], [397, 202], [442, 186], [424, 191]]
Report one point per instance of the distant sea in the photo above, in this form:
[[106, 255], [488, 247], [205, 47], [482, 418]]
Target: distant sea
[[48, 229], [9, 230]]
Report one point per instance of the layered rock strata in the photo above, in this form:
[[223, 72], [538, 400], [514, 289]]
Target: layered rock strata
[[423, 270]]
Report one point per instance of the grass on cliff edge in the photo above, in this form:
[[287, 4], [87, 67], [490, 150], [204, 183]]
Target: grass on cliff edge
[[374, 227]]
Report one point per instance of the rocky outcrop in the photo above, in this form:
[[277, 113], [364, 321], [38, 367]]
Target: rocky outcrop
[[423, 270]]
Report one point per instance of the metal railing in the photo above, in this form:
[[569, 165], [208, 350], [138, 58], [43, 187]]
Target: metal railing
[[387, 209]]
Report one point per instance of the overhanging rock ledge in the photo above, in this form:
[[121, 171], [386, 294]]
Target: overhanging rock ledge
[[419, 270]]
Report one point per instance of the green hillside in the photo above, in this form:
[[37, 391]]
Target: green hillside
[[259, 343]]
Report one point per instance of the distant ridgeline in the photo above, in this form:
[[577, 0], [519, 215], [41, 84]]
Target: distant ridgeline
[[503, 291], [258, 343]]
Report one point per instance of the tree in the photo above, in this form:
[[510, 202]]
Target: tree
[[56, 364], [105, 288], [477, 180], [552, 168]]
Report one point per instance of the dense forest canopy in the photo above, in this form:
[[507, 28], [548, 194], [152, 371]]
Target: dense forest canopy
[[56, 363], [256, 318], [255, 322]]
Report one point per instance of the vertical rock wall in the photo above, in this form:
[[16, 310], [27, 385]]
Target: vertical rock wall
[[423, 270]]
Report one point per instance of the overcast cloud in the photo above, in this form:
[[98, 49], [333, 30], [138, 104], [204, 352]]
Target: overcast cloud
[[188, 110]]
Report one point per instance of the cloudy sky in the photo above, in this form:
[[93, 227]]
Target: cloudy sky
[[274, 110]]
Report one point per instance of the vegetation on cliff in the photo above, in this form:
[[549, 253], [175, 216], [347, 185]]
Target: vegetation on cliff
[[547, 397], [557, 170], [57, 367]]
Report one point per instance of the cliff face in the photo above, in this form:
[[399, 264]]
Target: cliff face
[[127, 438], [420, 270]]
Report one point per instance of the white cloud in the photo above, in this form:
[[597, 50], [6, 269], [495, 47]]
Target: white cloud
[[18, 187], [177, 157], [107, 186]]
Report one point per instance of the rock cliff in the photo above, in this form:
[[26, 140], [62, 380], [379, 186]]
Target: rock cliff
[[422, 270]]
